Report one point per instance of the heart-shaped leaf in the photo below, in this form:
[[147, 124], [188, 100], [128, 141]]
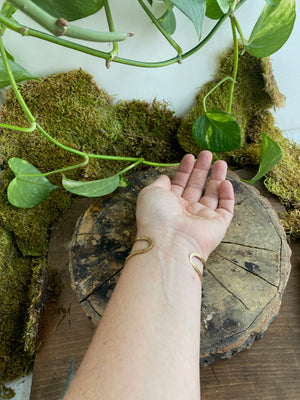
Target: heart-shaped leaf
[[273, 28], [20, 74], [194, 10], [27, 191], [270, 155], [217, 131], [96, 188]]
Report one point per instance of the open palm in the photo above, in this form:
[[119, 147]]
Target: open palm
[[187, 206]]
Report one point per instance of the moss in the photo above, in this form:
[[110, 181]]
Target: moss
[[284, 179], [6, 393], [30, 227], [36, 294], [15, 277], [291, 223], [72, 109], [149, 130], [255, 91]]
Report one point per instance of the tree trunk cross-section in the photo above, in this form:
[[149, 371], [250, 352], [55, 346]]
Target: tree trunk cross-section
[[244, 277]]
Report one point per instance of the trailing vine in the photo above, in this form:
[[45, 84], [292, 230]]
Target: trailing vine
[[216, 130]]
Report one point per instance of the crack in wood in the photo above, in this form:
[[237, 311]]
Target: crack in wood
[[247, 270], [256, 333], [99, 286], [225, 287], [93, 308], [248, 246]]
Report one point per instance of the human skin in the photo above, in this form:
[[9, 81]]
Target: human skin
[[148, 341]]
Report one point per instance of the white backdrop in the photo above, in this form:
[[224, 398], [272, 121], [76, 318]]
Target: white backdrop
[[177, 84]]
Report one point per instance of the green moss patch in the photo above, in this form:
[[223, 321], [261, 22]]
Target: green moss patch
[[149, 130], [15, 278]]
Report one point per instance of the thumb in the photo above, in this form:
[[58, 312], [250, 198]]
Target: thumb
[[163, 181]]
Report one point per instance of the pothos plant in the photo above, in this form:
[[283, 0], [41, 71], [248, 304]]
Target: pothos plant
[[216, 130]]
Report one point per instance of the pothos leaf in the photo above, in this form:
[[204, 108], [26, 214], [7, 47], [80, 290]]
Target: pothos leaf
[[270, 155], [96, 188], [217, 131], [26, 191], [273, 28], [194, 10], [20, 74]]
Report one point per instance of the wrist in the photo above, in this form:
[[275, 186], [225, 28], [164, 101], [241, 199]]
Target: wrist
[[170, 257], [174, 241], [172, 246]]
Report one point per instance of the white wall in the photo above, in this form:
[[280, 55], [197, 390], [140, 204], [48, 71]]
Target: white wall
[[176, 84]]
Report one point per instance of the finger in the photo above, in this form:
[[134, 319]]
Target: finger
[[198, 176], [226, 201], [163, 181], [218, 175], [182, 175]]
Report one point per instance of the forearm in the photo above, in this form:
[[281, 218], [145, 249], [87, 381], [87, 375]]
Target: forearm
[[147, 344]]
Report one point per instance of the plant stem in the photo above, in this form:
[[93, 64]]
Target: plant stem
[[59, 26], [113, 158], [60, 170], [25, 31], [139, 161], [214, 88], [238, 27], [14, 85], [19, 128], [161, 29], [115, 50], [235, 64], [62, 146], [154, 164]]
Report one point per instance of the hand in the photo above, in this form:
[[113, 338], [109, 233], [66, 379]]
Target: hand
[[183, 209]]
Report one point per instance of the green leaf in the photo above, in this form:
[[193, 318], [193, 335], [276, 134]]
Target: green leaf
[[20, 74], [270, 155], [194, 10], [97, 188], [273, 28], [213, 9], [224, 5], [27, 191], [217, 131], [168, 21], [71, 10]]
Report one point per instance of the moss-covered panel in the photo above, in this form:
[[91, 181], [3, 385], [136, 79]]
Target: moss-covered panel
[[149, 130], [15, 278]]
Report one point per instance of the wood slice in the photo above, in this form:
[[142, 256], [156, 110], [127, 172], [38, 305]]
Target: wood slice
[[243, 281]]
